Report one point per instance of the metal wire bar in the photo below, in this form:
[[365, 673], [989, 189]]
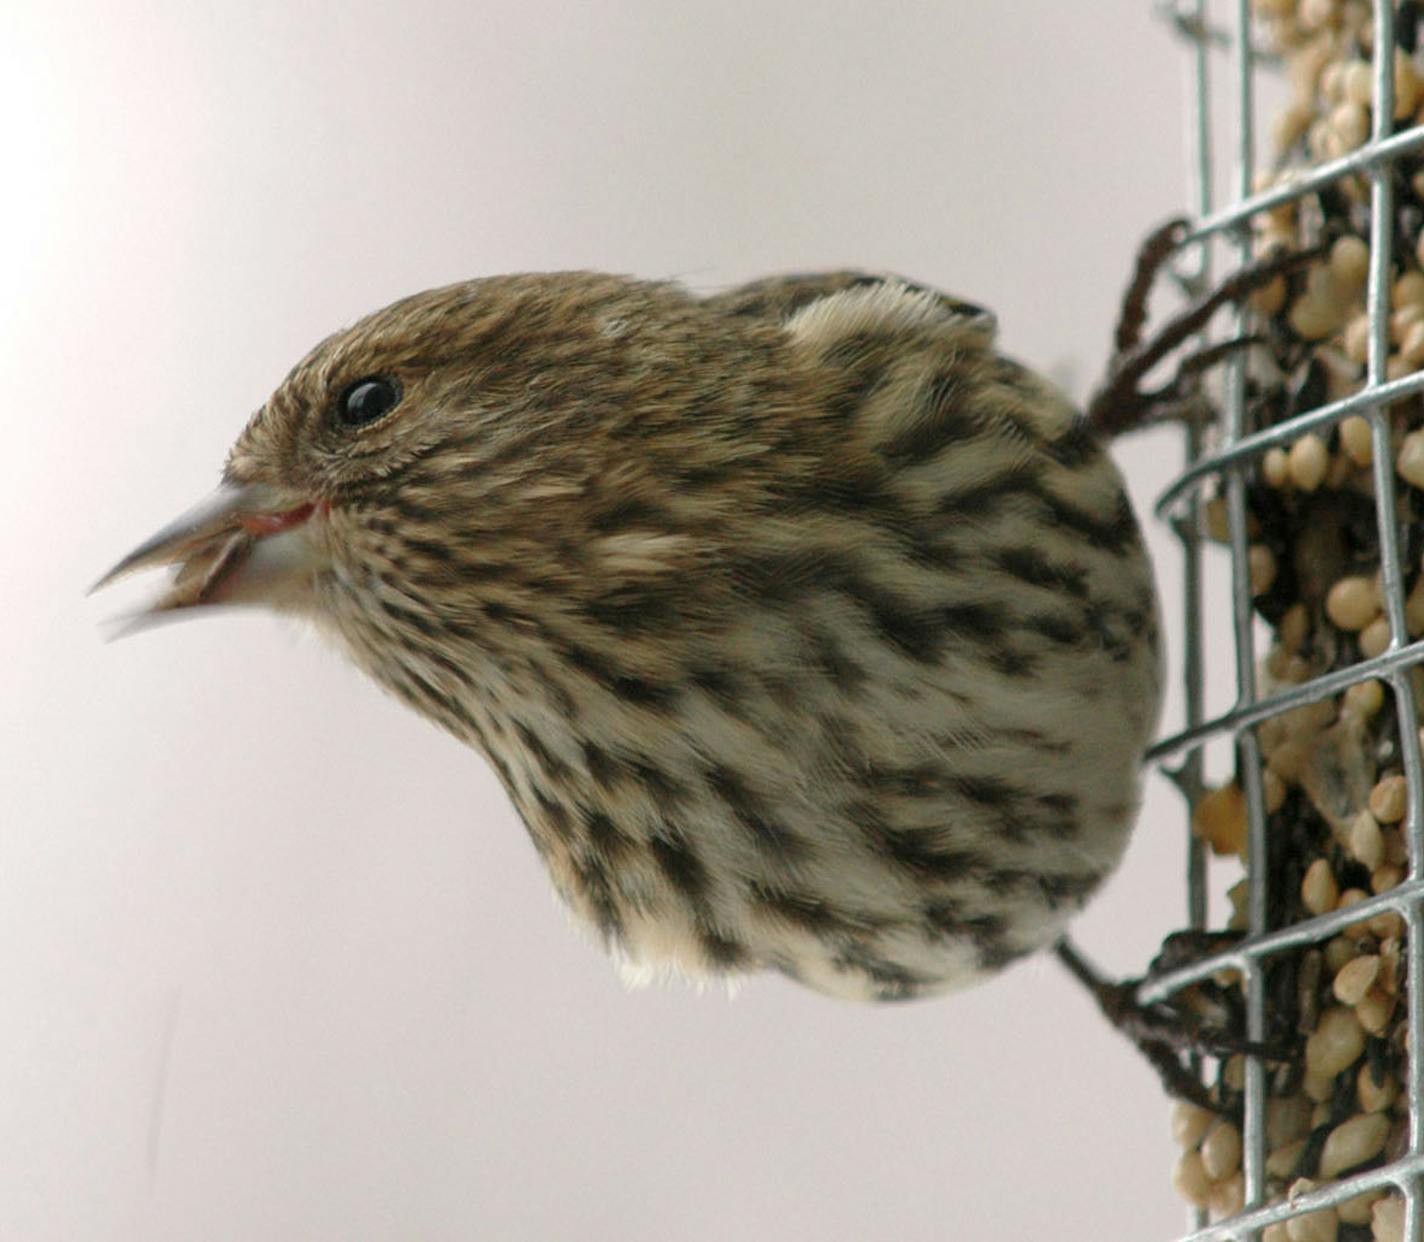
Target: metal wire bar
[[1244, 716], [1189, 775], [1402, 1175], [1248, 953], [1380, 154], [1248, 754], [1391, 569], [1278, 434]]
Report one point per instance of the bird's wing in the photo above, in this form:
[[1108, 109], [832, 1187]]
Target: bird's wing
[[780, 297]]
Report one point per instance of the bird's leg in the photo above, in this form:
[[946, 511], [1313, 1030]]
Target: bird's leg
[[1118, 1003], [1120, 403], [1163, 1032]]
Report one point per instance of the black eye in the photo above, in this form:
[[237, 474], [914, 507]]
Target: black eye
[[366, 400]]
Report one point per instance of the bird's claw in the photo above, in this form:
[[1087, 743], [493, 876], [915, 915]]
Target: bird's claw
[[1121, 403], [1205, 1020]]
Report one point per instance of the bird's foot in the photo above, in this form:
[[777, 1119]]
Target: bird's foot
[[1121, 403], [1205, 1019]]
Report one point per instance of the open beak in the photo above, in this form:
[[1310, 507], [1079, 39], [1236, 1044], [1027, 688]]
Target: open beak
[[244, 544]]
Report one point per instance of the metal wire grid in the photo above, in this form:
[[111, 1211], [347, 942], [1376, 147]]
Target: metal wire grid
[[1180, 505]]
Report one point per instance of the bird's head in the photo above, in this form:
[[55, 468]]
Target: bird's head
[[522, 457]]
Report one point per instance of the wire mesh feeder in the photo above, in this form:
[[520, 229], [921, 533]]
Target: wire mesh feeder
[[1316, 484]]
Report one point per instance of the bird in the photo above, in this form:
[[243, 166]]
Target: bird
[[805, 631]]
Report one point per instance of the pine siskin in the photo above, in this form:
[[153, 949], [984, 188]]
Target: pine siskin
[[804, 630]]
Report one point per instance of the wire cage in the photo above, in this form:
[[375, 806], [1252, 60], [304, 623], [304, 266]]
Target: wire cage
[[1231, 49]]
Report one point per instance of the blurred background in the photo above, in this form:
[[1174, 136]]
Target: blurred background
[[276, 958]]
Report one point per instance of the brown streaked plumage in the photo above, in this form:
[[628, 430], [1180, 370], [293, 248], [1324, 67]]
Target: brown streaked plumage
[[804, 630]]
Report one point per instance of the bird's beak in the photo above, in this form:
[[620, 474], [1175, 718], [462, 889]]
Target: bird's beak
[[244, 544]]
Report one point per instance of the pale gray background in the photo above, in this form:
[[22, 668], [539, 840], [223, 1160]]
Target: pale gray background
[[276, 960]]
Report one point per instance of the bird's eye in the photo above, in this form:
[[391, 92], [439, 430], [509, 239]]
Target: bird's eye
[[367, 400]]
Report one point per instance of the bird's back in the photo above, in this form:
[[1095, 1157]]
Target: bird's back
[[900, 701]]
